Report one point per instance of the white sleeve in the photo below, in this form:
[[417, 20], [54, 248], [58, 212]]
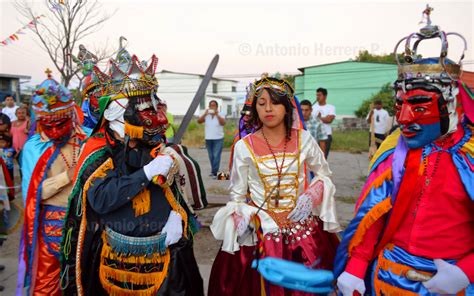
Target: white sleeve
[[332, 110], [319, 166]]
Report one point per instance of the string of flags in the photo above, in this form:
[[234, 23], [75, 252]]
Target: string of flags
[[21, 31]]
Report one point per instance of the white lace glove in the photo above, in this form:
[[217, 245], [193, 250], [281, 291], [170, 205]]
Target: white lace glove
[[449, 279], [312, 197], [158, 166], [173, 228], [348, 283], [303, 208], [240, 223]]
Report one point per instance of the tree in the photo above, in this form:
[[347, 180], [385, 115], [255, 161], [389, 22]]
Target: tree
[[366, 56], [66, 22], [385, 94]]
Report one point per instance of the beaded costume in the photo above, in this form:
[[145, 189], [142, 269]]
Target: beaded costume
[[254, 183], [416, 206], [113, 243], [47, 161]]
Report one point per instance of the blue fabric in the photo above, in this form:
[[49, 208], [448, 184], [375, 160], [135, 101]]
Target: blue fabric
[[31, 152], [294, 276], [400, 256], [90, 120], [214, 150], [57, 224], [375, 196]]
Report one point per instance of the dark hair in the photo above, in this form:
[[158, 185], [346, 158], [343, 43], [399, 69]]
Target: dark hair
[[9, 96], [306, 102], [378, 102], [277, 99], [323, 91], [7, 139], [4, 119], [217, 104]]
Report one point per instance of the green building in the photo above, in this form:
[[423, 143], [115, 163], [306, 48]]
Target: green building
[[348, 83]]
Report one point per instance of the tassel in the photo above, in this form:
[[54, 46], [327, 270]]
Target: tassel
[[141, 202], [369, 219], [177, 208], [134, 131]]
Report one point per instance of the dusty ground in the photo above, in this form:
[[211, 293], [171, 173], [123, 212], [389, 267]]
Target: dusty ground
[[348, 170]]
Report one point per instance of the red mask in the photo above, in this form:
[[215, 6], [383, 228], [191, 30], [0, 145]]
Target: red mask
[[56, 129], [417, 106]]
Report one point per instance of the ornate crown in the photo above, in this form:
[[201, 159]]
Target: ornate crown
[[434, 70], [255, 89], [128, 76], [52, 99]]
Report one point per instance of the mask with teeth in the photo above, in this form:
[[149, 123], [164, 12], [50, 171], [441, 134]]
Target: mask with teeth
[[145, 121]]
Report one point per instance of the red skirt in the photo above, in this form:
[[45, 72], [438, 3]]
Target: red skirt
[[232, 275]]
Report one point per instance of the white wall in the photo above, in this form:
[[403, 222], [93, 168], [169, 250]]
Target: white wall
[[177, 90]]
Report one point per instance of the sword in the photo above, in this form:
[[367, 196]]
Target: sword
[[197, 99]]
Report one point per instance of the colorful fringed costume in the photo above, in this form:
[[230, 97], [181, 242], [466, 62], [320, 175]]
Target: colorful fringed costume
[[112, 242], [417, 205], [47, 163]]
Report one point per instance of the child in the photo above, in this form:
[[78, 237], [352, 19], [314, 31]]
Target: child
[[7, 153], [20, 129]]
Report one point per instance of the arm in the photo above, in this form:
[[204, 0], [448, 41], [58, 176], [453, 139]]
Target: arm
[[328, 118], [221, 119], [467, 266], [51, 186], [239, 174], [317, 164], [202, 118], [363, 253], [107, 194]]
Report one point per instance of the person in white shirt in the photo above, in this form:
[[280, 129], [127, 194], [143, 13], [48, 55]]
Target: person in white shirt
[[10, 108], [214, 134], [381, 118], [326, 113]]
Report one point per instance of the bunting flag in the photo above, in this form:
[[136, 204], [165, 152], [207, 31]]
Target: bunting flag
[[14, 36]]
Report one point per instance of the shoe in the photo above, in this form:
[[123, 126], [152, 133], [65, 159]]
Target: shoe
[[214, 177], [2, 267], [2, 288], [211, 175]]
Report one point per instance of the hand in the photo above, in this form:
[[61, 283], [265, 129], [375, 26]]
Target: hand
[[449, 279], [158, 166], [173, 228], [302, 210], [240, 223], [206, 112], [348, 284]]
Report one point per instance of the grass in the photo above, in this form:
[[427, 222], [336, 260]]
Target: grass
[[194, 135], [345, 141], [350, 141]]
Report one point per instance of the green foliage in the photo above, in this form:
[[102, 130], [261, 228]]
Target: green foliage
[[194, 135], [365, 56], [385, 94], [350, 141]]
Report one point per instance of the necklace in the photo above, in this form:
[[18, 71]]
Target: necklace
[[425, 156], [74, 160], [276, 198]]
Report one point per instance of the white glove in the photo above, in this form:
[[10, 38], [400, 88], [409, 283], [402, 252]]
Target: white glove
[[303, 208], [312, 197], [241, 223], [158, 166], [348, 283], [449, 279], [173, 228]]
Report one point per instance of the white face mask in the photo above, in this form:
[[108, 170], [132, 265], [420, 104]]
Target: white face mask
[[114, 115]]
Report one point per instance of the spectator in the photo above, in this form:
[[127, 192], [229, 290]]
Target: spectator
[[170, 129], [5, 124], [7, 153], [20, 129], [10, 108], [381, 118], [314, 125], [326, 113], [214, 134]]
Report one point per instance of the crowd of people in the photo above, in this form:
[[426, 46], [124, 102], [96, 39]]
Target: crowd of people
[[110, 200]]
